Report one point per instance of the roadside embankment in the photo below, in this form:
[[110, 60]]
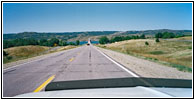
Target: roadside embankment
[[24, 54], [146, 68]]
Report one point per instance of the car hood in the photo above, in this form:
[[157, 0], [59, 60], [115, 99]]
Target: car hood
[[138, 91]]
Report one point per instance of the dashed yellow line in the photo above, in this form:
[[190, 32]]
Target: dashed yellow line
[[44, 84], [71, 59]]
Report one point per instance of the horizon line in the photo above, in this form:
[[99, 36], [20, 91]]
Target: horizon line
[[93, 31]]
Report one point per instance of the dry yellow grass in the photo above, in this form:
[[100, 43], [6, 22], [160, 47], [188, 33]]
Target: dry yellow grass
[[174, 52], [66, 47], [185, 38], [25, 50], [22, 52]]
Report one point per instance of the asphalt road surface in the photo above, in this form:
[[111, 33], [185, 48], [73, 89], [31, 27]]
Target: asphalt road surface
[[80, 63]]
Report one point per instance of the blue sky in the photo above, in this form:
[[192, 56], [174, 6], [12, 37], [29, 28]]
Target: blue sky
[[74, 17]]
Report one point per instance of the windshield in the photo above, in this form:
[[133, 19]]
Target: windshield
[[68, 46]]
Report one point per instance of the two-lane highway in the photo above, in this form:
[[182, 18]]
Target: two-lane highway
[[81, 63]]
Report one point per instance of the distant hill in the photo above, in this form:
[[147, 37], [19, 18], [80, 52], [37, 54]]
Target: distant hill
[[153, 32], [65, 35], [72, 36]]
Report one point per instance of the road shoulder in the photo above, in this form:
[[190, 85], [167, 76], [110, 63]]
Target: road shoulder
[[146, 68]]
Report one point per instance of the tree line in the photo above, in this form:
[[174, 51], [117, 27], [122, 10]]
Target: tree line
[[43, 42], [167, 35], [104, 39]]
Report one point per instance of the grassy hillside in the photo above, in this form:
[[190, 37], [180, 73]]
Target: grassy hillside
[[22, 52], [173, 52]]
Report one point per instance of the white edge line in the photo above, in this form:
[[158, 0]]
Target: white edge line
[[127, 70]]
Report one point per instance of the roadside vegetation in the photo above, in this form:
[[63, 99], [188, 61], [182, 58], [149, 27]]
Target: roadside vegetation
[[42, 42], [23, 52], [105, 40], [165, 48], [164, 35], [18, 49]]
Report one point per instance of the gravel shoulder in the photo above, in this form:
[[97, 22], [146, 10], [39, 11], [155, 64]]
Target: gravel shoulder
[[146, 68]]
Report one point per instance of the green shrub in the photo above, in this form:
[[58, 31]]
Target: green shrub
[[5, 53], [190, 47], [156, 52], [157, 40], [182, 68], [103, 40], [77, 42], [9, 57], [146, 43]]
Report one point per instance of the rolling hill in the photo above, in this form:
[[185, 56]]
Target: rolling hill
[[83, 36]]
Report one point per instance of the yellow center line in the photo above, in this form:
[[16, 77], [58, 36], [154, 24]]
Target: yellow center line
[[44, 84], [71, 59]]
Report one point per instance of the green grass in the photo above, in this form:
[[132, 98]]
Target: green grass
[[182, 68], [156, 52], [152, 59], [6, 60], [190, 47]]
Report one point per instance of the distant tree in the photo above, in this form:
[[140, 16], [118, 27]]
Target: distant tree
[[53, 41], [146, 43], [63, 43], [72, 43], [43, 42], [168, 35], [158, 35], [112, 40], [157, 40], [31, 42], [7, 44], [127, 38], [118, 38], [77, 42], [19, 42], [142, 36], [103, 40], [135, 37]]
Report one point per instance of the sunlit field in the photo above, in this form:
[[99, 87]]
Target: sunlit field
[[175, 52]]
